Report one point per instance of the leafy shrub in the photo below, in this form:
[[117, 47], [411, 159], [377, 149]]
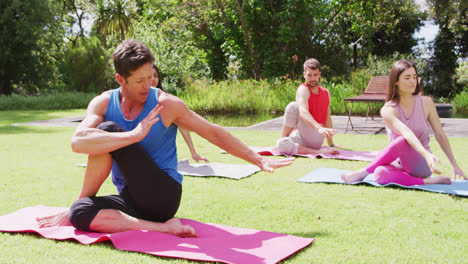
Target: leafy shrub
[[460, 102], [251, 96], [87, 66], [462, 75], [55, 101]]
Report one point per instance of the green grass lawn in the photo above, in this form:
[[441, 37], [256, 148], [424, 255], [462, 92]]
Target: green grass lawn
[[351, 224]]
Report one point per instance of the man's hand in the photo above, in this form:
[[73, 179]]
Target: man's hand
[[60, 219], [327, 132], [270, 165], [197, 157], [145, 125]]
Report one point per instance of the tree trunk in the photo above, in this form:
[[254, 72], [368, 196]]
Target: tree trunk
[[256, 69], [354, 56]]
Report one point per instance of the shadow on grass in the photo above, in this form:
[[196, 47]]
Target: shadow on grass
[[29, 129], [104, 244], [311, 234], [10, 117]]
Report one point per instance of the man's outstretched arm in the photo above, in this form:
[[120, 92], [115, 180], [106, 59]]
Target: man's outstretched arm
[[176, 110]]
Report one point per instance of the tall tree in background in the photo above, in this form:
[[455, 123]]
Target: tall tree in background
[[113, 17], [28, 35], [171, 40], [378, 27], [450, 43], [264, 35], [272, 38], [98, 10], [73, 15], [121, 16]]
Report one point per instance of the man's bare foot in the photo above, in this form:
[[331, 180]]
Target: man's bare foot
[[354, 176], [60, 219], [175, 227], [437, 180]]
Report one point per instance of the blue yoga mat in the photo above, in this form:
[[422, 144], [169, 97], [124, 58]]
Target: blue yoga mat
[[331, 175]]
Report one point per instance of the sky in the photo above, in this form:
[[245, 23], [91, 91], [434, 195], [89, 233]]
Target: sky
[[429, 30]]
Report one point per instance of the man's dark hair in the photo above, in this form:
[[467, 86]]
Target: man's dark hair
[[311, 64], [131, 55]]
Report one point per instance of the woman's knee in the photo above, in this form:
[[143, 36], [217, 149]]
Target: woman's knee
[[381, 174], [110, 126]]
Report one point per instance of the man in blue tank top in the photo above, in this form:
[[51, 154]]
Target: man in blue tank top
[[131, 131]]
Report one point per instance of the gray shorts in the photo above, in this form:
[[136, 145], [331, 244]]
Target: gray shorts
[[304, 134]]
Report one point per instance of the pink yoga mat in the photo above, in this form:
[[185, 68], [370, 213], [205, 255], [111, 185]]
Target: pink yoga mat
[[214, 242], [344, 154]]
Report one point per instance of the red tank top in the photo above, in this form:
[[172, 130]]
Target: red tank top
[[318, 104]]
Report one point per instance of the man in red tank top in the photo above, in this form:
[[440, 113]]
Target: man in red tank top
[[307, 122]]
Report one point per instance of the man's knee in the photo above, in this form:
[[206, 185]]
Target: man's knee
[[110, 126], [82, 212], [287, 146], [292, 107], [291, 115]]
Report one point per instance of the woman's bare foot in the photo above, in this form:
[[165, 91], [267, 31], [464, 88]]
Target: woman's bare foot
[[354, 176], [60, 219], [175, 227], [437, 180]]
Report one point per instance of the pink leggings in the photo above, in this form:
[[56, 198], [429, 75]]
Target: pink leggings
[[413, 166]]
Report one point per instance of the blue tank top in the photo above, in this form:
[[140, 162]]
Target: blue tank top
[[160, 143]]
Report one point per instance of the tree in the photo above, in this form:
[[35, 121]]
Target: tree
[[113, 17], [86, 66], [273, 38], [121, 17], [264, 35], [73, 14], [29, 34], [444, 63], [171, 41], [448, 45], [378, 27], [98, 9]]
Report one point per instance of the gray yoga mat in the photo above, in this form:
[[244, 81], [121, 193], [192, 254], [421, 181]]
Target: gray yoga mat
[[232, 171], [331, 175]]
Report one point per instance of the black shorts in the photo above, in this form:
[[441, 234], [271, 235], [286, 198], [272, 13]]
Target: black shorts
[[150, 193]]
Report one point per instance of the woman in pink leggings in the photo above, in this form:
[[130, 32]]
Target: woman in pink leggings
[[408, 115]]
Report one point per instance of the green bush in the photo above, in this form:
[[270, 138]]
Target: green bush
[[243, 96], [87, 67], [251, 96], [462, 76], [55, 101], [176, 56], [460, 102]]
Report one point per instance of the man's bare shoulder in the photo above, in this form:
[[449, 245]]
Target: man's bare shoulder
[[169, 100], [98, 104], [302, 90], [173, 106]]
